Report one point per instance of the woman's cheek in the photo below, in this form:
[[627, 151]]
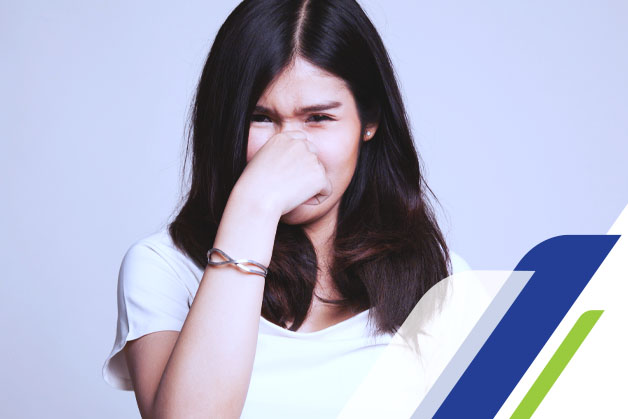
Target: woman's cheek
[[340, 147], [256, 141]]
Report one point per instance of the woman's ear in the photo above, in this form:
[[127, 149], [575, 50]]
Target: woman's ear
[[370, 131]]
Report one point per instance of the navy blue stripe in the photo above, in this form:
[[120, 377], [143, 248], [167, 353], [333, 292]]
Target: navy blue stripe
[[563, 266]]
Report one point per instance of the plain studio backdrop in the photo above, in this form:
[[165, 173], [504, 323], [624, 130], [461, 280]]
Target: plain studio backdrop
[[519, 111]]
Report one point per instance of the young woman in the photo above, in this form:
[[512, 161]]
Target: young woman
[[302, 162]]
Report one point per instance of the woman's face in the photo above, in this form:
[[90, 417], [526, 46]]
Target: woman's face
[[335, 131]]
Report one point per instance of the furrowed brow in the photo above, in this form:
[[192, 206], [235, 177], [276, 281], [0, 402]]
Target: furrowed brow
[[306, 109], [319, 108]]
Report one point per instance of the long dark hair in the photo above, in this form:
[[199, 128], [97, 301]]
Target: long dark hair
[[388, 249]]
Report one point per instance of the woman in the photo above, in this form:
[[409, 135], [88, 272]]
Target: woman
[[302, 162]]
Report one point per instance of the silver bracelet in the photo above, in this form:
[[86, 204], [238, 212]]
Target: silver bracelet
[[238, 262]]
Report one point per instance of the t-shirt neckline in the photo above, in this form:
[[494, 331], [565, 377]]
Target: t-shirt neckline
[[330, 329]]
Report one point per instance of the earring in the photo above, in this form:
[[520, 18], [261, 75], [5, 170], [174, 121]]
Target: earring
[[368, 133]]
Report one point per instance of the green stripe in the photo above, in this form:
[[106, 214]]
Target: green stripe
[[557, 364]]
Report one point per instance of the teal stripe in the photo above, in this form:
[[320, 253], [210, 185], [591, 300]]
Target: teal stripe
[[557, 364]]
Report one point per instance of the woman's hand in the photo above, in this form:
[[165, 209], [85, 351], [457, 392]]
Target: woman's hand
[[285, 173]]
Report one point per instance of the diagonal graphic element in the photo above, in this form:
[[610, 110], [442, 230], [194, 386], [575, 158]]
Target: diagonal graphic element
[[473, 343], [557, 364], [563, 266]]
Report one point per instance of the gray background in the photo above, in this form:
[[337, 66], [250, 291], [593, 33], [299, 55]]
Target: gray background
[[518, 109]]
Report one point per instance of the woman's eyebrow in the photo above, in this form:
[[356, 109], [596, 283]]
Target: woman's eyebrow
[[306, 109]]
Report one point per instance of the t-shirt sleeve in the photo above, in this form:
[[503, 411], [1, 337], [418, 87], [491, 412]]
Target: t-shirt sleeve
[[151, 297]]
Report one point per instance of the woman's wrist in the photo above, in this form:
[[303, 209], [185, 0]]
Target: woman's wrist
[[247, 229], [257, 204]]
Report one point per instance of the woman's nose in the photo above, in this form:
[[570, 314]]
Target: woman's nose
[[290, 126]]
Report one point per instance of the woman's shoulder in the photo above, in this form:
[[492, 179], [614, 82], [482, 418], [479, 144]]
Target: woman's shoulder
[[156, 287], [159, 241], [157, 253]]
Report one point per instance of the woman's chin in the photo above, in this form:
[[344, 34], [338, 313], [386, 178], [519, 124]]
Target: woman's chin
[[302, 214], [306, 214]]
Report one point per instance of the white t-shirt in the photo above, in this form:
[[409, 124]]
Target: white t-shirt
[[295, 374]]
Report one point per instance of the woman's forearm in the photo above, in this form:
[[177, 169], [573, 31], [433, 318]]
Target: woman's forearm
[[209, 370]]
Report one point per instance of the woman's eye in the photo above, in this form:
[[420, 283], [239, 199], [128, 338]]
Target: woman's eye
[[319, 118], [263, 118], [258, 118]]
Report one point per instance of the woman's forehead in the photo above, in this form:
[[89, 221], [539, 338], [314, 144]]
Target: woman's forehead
[[301, 92], [306, 77]]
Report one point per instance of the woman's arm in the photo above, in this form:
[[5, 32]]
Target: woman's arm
[[209, 370]]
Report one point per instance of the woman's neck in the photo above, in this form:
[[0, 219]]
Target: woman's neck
[[321, 233]]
